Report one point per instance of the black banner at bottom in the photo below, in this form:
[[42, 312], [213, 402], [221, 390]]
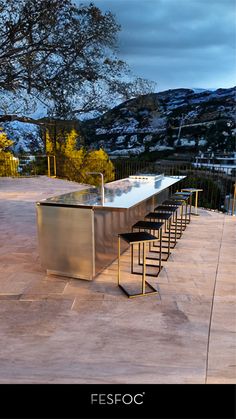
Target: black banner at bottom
[[117, 401]]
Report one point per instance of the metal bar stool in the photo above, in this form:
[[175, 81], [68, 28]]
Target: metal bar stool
[[137, 238], [151, 226], [180, 204], [189, 195], [193, 190], [166, 218], [174, 210], [185, 200]]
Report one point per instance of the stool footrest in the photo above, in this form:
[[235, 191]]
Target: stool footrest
[[130, 295], [163, 259], [149, 274]]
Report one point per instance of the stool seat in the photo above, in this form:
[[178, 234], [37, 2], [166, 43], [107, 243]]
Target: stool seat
[[137, 237], [159, 215], [172, 203], [183, 193], [150, 225], [192, 190], [166, 208], [180, 197]]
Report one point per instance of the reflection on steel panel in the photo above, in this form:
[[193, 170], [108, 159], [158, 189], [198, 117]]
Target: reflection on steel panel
[[66, 240]]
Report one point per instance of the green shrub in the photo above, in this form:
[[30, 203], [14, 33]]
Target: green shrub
[[8, 163]]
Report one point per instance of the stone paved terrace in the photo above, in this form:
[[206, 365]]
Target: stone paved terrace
[[62, 330]]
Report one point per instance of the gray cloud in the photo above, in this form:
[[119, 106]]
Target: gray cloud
[[178, 43]]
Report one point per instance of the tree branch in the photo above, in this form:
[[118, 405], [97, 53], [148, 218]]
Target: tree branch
[[12, 118]]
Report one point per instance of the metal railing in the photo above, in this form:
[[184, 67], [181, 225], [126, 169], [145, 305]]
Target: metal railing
[[8, 166], [219, 186]]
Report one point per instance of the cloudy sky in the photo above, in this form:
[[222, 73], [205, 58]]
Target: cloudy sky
[[177, 43]]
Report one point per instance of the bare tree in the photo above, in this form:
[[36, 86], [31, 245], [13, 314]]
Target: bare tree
[[51, 49]]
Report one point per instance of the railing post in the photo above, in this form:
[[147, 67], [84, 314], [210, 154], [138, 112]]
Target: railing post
[[234, 199], [49, 172], [55, 166]]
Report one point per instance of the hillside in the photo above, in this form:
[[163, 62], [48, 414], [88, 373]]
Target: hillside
[[179, 118]]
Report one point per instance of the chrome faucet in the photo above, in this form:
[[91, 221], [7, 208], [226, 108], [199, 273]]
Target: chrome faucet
[[102, 184]]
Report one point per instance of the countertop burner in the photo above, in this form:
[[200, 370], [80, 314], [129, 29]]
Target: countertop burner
[[147, 177]]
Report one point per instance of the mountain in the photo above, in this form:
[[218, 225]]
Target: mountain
[[27, 137], [165, 121], [175, 119]]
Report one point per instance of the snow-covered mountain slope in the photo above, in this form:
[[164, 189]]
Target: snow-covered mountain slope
[[26, 137], [153, 122], [166, 120]]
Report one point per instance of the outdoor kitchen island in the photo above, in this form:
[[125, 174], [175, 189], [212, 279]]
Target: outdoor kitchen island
[[78, 230]]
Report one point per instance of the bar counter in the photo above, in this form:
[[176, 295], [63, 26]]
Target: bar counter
[[78, 231]]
